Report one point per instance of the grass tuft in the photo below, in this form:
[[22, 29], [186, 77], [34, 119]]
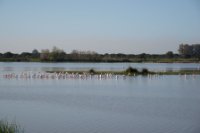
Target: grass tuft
[[6, 127]]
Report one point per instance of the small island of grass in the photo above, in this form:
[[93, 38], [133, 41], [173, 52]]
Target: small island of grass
[[130, 72]]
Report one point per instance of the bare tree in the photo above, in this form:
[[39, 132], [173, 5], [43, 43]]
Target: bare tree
[[45, 55]]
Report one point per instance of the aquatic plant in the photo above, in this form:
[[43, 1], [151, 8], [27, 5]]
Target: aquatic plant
[[6, 127]]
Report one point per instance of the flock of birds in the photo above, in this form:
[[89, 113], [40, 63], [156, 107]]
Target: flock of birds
[[62, 75]]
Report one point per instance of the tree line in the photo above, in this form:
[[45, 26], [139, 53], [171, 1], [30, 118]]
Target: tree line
[[186, 52]]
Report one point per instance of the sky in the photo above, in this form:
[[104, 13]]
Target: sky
[[104, 26]]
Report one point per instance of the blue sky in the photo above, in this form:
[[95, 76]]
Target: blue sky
[[105, 26]]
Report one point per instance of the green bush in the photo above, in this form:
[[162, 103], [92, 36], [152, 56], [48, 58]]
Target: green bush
[[91, 71], [6, 127], [131, 70], [144, 71]]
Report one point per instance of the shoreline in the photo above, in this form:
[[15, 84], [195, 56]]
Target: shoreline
[[130, 60]]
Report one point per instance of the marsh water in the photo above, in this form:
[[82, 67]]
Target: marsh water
[[167, 104]]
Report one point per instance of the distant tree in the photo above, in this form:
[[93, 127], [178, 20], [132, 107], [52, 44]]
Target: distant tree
[[1, 54], [84, 52], [189, 50], [121, 55], [155, 56], [143, 55], [35, 53], [185, 50], [91, 52], [57, 54], [25, 54], [196, 50], [75, 52], [169, 54], [45, 55], [74, 55], [78, 55], [181, 49], [8, 55]]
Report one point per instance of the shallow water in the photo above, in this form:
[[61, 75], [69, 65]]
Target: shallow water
[[167, 104], [24, 66]]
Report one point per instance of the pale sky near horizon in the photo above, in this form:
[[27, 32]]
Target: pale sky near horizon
[[104, 26]]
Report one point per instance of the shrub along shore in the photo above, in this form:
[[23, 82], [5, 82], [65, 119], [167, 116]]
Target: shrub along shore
[[6, 127]]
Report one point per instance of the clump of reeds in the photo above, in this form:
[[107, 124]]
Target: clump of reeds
[[6, 127]]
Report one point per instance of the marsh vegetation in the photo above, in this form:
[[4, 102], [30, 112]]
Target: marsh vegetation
[[10, 127], [130, 71]]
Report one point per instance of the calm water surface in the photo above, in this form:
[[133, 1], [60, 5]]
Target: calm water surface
[[97, 66], [167, 104]]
